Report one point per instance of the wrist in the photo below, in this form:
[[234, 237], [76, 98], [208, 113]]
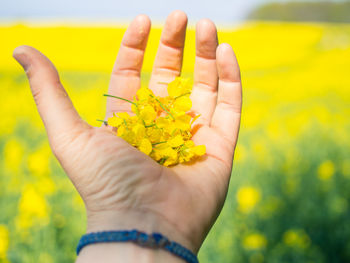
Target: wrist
[[142, 221], [124, 252]]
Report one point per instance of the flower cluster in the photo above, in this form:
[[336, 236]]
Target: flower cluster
[[161, 127]]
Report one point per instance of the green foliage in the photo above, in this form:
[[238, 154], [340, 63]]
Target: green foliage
[[303, 11], [289, 195], [303, 217]]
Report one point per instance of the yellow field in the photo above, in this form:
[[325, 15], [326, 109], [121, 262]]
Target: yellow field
[[292, 158]]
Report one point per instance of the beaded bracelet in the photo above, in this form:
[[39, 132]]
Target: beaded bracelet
[[154, 241]]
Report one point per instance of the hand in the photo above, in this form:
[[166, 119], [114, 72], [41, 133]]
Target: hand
[[123, 188]]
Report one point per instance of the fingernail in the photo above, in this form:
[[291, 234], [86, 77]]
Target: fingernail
[[21, 57]]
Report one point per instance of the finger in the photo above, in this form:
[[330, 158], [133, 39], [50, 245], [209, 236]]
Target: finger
[[168, 61], [55, 108], [227, 114], [204, 92], [125, 79]]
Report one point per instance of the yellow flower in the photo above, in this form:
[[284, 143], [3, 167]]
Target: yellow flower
[[165, 154], [189, 144], [123, 115], [199, 150], [247, 198], [148, 114], [155, 135], [144, 94], [13, 154], [254, 242], [46, 186], [162, 122], [4, 241], [296, 238], [182, 122], [179, 87], [38, 161], [167, 125], [326, 170], [139, 130], [189, 151], [182, 104], [115, 121], [145, 146], [122, 130], [32, 208], [176, 141], [161, 128], [170, 156]]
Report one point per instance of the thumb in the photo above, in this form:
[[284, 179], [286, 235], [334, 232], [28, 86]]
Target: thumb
[[55, 108]]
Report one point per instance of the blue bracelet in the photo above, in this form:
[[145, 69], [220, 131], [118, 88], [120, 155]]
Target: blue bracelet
[[154, 240]]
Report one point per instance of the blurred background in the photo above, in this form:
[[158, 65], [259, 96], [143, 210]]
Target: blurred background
[[290, 189]]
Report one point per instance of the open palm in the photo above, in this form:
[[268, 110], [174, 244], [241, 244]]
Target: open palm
[[122, 187]]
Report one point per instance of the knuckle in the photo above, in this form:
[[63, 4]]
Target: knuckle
[[36, 94], [29, 72]]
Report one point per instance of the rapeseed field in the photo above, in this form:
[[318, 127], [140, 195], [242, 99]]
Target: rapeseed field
[[289, 196]]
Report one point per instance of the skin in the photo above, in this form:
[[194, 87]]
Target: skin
[[123, 188]]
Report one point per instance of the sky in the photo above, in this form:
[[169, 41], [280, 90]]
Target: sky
[[221, 11]]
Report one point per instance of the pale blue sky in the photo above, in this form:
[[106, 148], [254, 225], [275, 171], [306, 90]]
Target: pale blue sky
[[221, 11]]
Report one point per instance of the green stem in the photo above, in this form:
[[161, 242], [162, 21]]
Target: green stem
[[158, 143], [107, 95], [162, 161], [126, 125], [163, 107], [187, 93], [152, 125], [104, 122]]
